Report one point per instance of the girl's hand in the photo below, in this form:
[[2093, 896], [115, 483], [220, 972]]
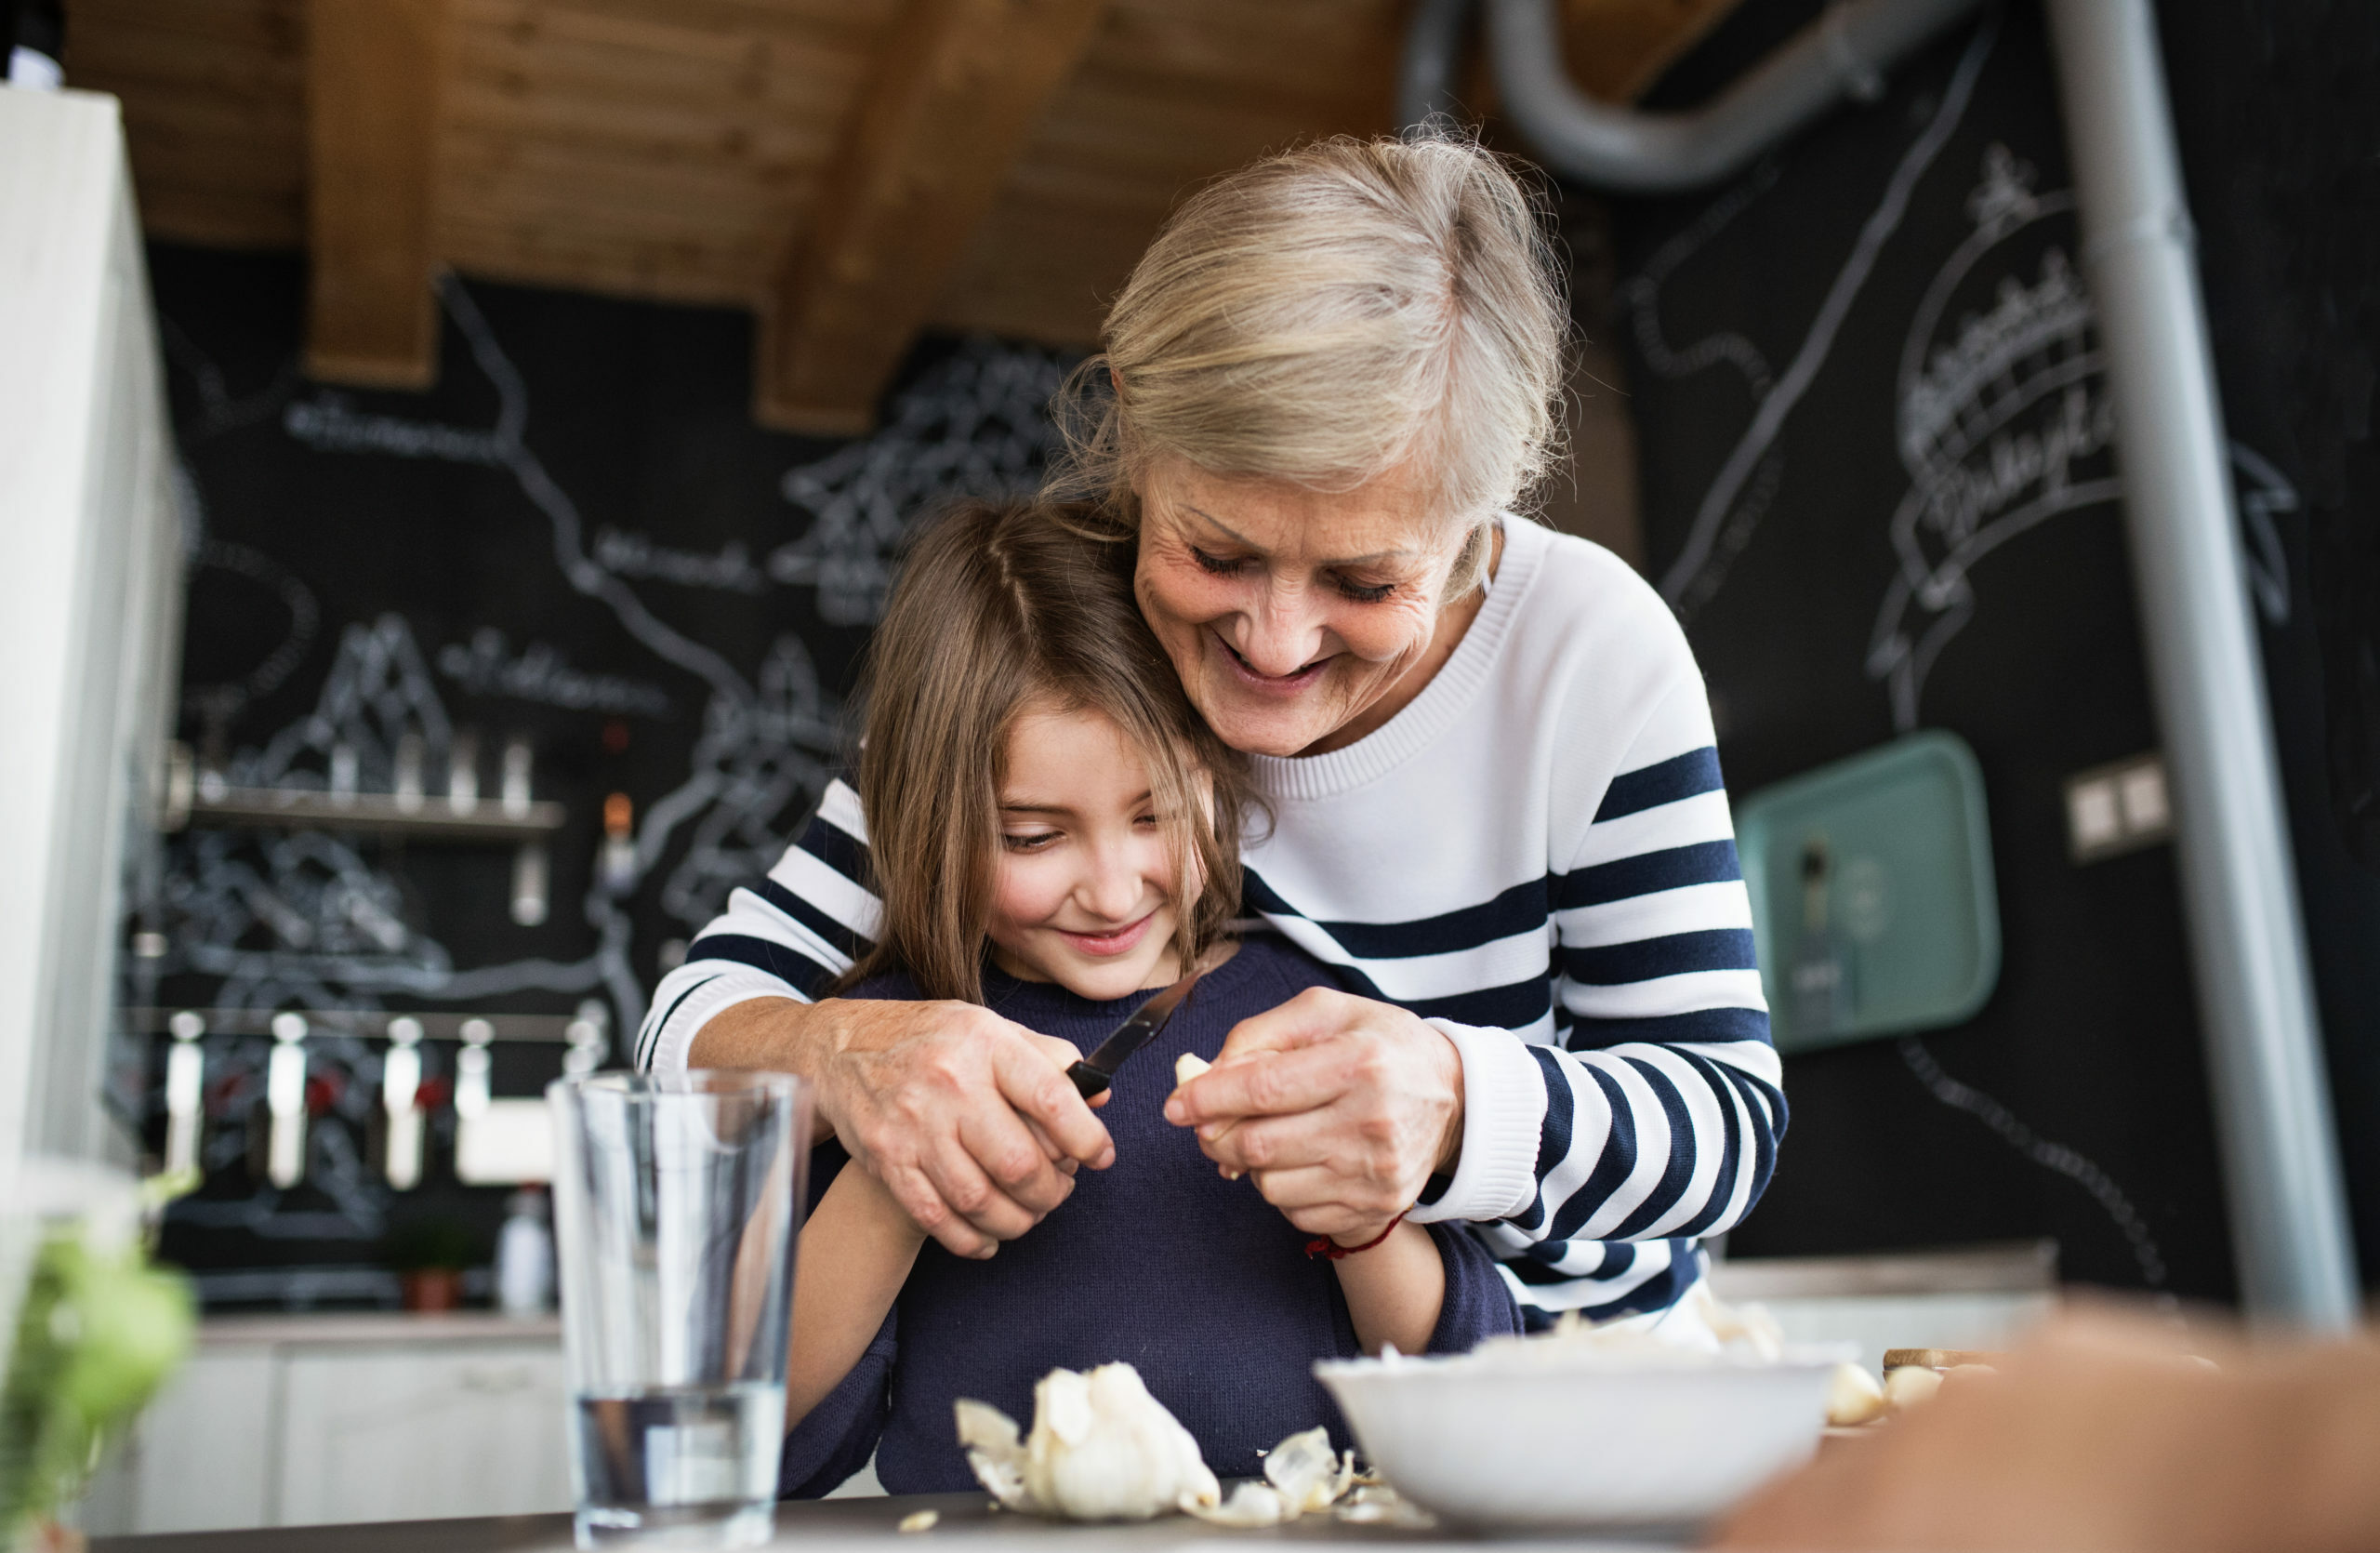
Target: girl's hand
[[1340, 1107], [969, 1119]]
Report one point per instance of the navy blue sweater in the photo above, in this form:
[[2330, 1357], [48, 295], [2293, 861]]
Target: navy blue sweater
[[1199, 1282]]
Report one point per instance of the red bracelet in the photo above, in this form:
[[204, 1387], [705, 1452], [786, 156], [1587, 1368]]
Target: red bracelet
[[1323, 1245]]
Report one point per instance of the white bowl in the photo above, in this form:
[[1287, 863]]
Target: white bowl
[[1499, 1439]]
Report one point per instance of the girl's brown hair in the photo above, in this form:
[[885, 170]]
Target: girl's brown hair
[[997, 608]]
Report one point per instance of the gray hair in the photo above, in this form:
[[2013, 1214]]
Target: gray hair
[[1326, 314]]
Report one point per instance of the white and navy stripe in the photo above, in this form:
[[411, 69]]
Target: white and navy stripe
[[1556, 788]]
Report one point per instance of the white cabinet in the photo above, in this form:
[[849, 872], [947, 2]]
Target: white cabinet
[[310, 1420], [199, 1461], [398, 1436], [90, 566]]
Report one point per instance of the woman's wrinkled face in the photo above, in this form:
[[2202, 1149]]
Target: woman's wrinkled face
[[1294, 617], [1083, 891]]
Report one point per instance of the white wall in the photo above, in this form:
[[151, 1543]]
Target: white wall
[[91, 590]]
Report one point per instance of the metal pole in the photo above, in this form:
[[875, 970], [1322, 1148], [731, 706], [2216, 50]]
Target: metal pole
[[1425, 75], [2289, 1223]]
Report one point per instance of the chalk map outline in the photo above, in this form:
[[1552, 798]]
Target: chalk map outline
[[338, 932]]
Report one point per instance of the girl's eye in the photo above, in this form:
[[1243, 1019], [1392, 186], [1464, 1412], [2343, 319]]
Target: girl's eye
[[1148, 822], [1028, 842], [1217, 566], [1366, 592]]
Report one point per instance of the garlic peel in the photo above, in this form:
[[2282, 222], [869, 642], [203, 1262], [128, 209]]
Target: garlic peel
[[1251, 1507], [1309, 1475], [995, 1451]]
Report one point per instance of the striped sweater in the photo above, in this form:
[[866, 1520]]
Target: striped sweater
[[1536, 856]]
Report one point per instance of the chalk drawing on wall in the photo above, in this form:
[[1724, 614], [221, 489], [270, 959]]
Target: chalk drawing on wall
[[1730, 508], [2003, 418], [486, 664], [243, 908], [975, 424], [2264, 495], [2005, 421]]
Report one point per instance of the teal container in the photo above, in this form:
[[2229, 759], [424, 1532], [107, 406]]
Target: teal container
[[1871, 894]]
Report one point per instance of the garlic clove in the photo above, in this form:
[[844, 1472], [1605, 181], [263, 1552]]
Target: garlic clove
[[1852, 1396], [1910, 1385], [1189, 1066]]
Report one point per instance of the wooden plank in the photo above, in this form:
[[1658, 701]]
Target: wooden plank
[[959, 87], [214, 112], [224, 219], [1151, 113], [373, 71]]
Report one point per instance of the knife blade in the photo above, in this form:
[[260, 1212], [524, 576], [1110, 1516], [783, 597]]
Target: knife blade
[[1096, 1071]]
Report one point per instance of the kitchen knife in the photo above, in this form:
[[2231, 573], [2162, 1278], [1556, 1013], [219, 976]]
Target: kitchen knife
[[1096, 1071]]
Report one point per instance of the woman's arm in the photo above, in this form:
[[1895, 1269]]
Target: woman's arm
[[856, 1252], [961, 1112], [1654, 1121]]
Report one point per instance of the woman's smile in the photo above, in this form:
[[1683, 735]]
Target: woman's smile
[[1295, 682]]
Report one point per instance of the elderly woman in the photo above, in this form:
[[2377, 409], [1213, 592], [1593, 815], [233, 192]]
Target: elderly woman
[[1497, 807]]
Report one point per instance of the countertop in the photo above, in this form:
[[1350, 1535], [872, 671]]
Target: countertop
[[373, 1327], [816, 1524]]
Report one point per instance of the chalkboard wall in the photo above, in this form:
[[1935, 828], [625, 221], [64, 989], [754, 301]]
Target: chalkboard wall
[[1876, 456], [578, 539]]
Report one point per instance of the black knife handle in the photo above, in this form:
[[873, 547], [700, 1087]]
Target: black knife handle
[[1089, 1080]]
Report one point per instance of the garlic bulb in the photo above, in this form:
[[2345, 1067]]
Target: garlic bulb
[[1101, 1449]]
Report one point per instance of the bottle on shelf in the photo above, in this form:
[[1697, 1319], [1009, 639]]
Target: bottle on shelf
[[524, 1255]]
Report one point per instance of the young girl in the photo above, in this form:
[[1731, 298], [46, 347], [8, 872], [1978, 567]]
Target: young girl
[[1053, 834]]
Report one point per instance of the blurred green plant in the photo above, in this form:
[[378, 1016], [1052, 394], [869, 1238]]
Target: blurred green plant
[[98, 1333]]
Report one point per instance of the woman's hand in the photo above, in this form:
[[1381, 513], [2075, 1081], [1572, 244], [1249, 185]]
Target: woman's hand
[[2099, 1433], [1340, 1107], [967, 1118]]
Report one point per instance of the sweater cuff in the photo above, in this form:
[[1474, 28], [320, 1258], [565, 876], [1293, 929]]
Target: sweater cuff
[[1504, 1111], [672, 1041]]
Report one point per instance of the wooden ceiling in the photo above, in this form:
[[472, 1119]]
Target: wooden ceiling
[[854, 170]]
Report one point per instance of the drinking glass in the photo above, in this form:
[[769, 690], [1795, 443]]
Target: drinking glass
[[676, 1204]]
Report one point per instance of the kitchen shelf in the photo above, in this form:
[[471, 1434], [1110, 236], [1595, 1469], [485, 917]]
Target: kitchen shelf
[[363, 1024], [430, 819]]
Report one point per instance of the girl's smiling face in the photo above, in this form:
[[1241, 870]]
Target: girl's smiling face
[[1083, 893]]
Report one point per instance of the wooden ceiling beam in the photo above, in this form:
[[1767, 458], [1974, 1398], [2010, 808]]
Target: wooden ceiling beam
[[373, 71], [958, 87]]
